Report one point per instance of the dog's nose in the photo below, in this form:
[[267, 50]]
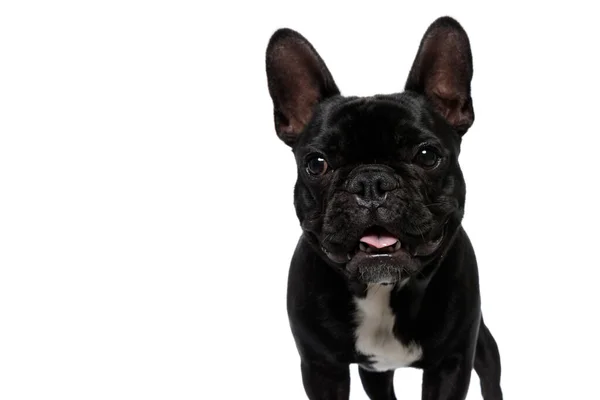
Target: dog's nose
[[371, 187]]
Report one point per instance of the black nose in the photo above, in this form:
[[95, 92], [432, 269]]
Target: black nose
[[371, 186]]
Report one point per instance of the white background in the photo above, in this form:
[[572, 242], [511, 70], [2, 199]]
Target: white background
[[146, 218]]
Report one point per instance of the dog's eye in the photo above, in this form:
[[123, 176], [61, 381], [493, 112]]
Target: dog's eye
[[426, 157], [316, 166]]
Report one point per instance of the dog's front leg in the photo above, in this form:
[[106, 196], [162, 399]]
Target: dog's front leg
[[326, 381], [449, 380]]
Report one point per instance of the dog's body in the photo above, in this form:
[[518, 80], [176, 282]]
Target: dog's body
[[384, 274]]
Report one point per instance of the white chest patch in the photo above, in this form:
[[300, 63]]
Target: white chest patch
[[374, 333]]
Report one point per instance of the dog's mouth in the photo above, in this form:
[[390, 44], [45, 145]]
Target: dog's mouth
[[377, 242]]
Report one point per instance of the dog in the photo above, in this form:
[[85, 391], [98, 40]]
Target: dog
[[383, 275]]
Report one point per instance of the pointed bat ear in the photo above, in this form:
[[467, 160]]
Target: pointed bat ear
[[442, 71], [298, 79]]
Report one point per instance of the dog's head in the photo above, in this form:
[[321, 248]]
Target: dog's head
[[380, 193]]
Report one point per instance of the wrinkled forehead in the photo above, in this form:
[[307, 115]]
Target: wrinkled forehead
[[373, 128]]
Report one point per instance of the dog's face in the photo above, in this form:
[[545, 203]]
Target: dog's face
[[380, 192]]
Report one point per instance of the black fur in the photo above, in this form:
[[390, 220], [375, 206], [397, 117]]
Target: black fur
[[370, 174]]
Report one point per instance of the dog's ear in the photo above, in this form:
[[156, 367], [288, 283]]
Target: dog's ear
[[442, 71], [298, 79]]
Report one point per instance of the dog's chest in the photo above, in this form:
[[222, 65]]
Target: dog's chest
[[374, 332]]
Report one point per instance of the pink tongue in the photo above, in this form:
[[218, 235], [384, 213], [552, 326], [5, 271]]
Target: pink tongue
[[379, 241]]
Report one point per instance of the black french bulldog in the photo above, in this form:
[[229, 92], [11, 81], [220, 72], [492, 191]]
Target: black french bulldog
[[384, 275]]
